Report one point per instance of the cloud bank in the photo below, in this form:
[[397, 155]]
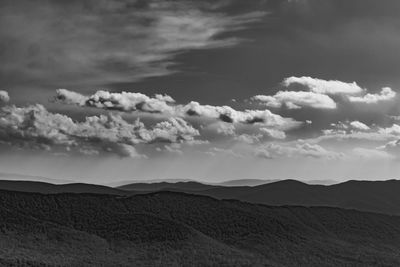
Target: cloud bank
[[131, 102], [35, 127], [267, 134]]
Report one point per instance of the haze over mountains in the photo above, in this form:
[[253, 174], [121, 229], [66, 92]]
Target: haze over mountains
[[178, 229], [34, 178]]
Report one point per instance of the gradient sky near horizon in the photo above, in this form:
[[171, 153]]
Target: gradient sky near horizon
[[110, 90]]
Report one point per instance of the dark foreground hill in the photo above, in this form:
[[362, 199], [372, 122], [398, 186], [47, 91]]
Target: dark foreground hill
[[176, 229]]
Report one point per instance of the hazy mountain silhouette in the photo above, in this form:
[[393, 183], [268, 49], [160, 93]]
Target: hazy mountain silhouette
[[47, 188], [177, 229], [321, 182], [147, 181], [180, 186], [246, 182], [23, 177], [375, 196]]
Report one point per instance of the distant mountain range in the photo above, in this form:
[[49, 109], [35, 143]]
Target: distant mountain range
[[238, 182], [48, 188], [373, 196], [165, 186], [33, 178], [178, 229]]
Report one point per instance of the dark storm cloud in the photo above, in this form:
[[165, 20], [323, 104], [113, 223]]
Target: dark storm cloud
[[113, 41]]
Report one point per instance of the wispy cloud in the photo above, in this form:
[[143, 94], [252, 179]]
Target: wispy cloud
[[111, 41]]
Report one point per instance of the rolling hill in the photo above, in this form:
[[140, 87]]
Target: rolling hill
[[177, 229]]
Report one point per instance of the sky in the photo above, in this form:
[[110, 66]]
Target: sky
[[110, 90]]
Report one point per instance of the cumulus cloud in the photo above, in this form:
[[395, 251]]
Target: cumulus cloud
[[165, 105], [277, 134], [319, 92], [358, 131], [35, 127], [385, 94], [4, 97], [320, 86], [348, 126], [353, 91], [225, 128], [392, 130], [124, 101], [359, 126], [297, 99], [230, 115], [299, 149]]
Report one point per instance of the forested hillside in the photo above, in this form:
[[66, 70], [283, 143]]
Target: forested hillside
[[176, 229]]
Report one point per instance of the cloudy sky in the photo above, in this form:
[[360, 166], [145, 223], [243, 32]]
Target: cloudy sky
[[110, 90]]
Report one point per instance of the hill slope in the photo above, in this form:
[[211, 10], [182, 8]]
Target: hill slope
[[179, 229]]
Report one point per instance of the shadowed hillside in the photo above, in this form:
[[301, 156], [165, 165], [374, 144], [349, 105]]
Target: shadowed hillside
[[176, 229]]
